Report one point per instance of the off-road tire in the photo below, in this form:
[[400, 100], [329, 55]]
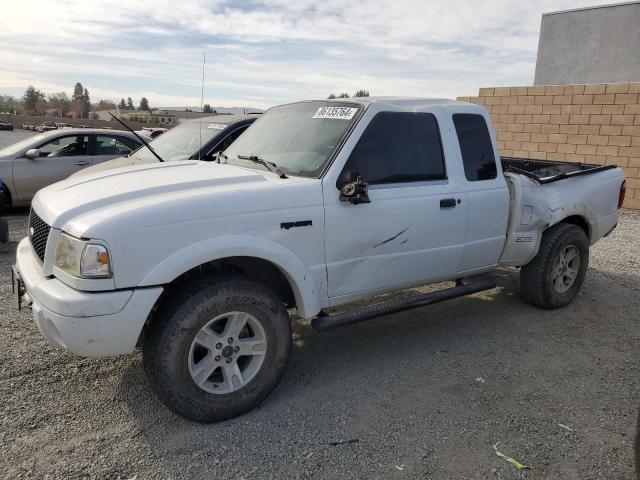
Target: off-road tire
[[181, 315], [536, 278]]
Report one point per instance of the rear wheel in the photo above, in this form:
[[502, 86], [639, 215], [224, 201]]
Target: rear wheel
[[217, 348], [554, 277]]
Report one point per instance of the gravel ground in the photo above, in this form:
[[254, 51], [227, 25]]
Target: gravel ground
[[420, 394]]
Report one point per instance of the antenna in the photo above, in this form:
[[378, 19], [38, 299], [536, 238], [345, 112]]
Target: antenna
[[204, 62]]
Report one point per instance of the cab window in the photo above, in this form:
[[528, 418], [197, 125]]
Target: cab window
[[475, 145], [397, 147]]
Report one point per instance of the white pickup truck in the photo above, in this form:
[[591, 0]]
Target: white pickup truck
[[317, 204]]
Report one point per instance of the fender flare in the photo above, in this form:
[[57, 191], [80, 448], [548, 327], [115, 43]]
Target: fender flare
[[302, 282]]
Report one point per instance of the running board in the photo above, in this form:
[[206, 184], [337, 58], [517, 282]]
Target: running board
[[328, 322]]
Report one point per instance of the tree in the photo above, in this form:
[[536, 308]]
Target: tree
[[81, 103], [342, 95], [41, 106], [77, 107], [206, 108], [78, 91], [122, 105], [361, 93], [332, 96], [86, 103], [8, 103], [61, 102], [31, 96], [130, 104], [144, 104]]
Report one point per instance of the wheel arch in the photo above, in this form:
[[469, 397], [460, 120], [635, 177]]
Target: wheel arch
[[261, 259], [578, 221], [6, 195]]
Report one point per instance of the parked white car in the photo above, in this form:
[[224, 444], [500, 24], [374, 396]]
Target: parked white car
[[40, 160], [317, 204]]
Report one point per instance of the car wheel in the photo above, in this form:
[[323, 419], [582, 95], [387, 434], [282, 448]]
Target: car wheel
[[554, 277], [217, 348]]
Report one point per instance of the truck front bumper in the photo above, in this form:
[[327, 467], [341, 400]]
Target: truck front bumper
[[91, 324]]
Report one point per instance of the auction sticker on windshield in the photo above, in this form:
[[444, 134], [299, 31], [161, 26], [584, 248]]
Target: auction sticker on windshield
[[217, 126], [342, 113]]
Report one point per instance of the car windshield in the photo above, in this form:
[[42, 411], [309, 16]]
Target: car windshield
[[181, 142], [299, 138], [18, 147]]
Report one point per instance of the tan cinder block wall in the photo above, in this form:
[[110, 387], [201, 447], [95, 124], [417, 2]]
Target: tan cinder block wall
[[578, 123]]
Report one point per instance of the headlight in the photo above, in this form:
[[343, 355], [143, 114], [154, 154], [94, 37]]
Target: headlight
[[82, 258]]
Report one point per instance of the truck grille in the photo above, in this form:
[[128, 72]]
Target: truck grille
[[38, 234]]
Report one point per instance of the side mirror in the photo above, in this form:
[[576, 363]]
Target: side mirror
[[32, 153], [355, 192]]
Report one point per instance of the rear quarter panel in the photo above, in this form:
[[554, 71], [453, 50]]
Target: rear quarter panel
[[535, 208]]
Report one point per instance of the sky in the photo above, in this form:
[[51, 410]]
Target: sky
[[264, 53]]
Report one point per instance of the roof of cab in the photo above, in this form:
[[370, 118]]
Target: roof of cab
[[401, 102]]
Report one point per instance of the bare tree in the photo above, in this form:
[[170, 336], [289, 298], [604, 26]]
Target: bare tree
[[41, 106]]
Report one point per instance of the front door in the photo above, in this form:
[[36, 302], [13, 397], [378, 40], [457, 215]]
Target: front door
[[412, 231], [58, 159]]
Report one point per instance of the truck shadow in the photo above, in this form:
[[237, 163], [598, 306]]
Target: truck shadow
[[424, 331], [421, 361]]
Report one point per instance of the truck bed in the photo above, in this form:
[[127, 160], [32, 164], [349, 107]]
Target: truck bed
[[547, 171]]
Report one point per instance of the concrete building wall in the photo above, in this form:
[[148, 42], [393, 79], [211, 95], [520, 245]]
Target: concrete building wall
[[591, 45], [597, 124]]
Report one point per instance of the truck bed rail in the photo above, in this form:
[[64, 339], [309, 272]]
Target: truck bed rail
[[547, 171]]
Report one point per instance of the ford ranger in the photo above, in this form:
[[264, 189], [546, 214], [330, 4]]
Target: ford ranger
[[317, 204]]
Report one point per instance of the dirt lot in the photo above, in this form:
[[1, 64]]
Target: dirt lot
[[421, 394]]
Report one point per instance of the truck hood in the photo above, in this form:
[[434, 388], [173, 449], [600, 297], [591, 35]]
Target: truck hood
[[115, 163], [82, 201]]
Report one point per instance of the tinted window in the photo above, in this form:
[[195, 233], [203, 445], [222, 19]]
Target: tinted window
[[108, 145], [72, 146], [227, 141], [475, 144], [397, 147]]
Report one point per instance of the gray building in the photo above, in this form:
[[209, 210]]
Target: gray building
[[590, 45]]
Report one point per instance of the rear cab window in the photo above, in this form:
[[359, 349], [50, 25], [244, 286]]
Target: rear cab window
[[397, 147], [477, 152]]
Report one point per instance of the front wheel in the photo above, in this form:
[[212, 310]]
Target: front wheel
[[218, 348], [554, 277]]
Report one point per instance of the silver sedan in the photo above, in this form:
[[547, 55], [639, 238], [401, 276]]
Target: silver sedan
[[40, 160]]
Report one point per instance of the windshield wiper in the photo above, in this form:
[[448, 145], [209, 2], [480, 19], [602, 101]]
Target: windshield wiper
[[272, 167]]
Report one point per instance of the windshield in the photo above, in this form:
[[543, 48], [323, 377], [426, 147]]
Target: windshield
[[16, 148], [299, 137], [181, 142]]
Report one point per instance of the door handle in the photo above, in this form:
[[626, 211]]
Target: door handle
[[447, 203], [82, 162]]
